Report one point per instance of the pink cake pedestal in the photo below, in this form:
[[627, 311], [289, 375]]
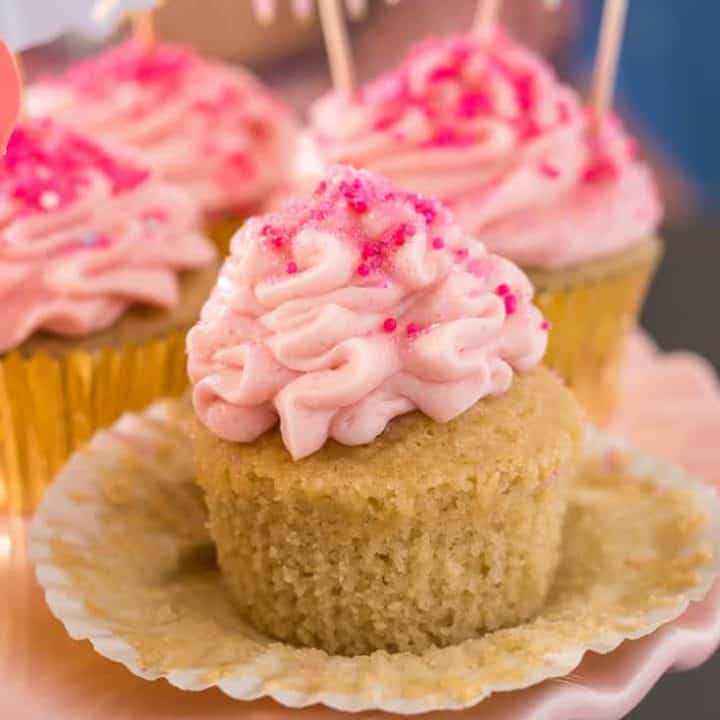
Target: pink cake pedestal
[[670, 406]]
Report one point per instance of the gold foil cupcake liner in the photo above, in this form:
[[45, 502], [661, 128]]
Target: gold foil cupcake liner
[[221, 228], [49, 406], [122, 551], [592, 315]]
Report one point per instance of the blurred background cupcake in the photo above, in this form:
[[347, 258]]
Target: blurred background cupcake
[[483, 123], [413, 494], [210, 128], [103, 267]]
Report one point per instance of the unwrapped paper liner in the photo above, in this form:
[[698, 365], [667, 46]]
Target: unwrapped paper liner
[[592, 315], [122, 551], [49, 406]]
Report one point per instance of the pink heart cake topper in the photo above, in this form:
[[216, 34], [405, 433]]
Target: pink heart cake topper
[[10, 94]]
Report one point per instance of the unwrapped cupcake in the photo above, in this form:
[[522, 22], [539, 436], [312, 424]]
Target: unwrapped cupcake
[[485, 125], [103, 268], [384, 463], [210, 128]]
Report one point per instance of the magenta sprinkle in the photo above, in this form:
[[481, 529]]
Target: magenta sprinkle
[[546, 325], [389, 325], [358, 206], [502, 290], [438, 243], [412, 328], [461, 254], [473, 104], [600, 170], [291, 268], [443, 72], [510, 303], [403, 232], [363, 270], [427, 210]]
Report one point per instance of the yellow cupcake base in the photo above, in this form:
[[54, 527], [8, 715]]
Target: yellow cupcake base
[[221, 228], [49, 406], [592, 310]]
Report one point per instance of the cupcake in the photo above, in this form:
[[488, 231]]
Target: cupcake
[[103, 268], [211, 129], [485, 125], [384, 463]]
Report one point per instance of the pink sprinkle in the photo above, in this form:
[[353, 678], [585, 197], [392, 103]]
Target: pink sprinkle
[[546, 325], [277, 242], [563, 111], [266, 230], [438, 243], [292, 268], [502, 290], [389, 325], [480, 267], [412, 328], [321, 188], [510, 303], [548, 170], [363, 269], [461, 254]]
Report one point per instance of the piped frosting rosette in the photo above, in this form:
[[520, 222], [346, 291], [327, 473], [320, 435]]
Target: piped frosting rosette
[[339, 312], [485, 125], [212, 129], [85, 233]]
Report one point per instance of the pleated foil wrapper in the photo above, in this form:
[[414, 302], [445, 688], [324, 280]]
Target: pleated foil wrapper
[[592, 316], [50, 406]]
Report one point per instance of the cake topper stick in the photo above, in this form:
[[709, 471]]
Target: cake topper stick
[[337, 44], [608, 55], [10, 94], [143, 27], [141, 21], [486, 14]]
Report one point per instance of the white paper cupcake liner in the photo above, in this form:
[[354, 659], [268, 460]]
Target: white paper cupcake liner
[[122, 553]]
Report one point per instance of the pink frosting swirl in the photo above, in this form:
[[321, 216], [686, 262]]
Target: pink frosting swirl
[[484, 124], [84, 233], [212, 129], [337, 313]]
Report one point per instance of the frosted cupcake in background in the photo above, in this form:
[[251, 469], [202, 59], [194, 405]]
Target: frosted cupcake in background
[[212, 129], [484, 124], [103, 268], [384, 464]]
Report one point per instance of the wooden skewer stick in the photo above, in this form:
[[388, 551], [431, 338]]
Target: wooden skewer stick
[[337, 44], [143, 27], [303, 9], [356, 8], [486, 14], [608, 56], [265, 11]]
